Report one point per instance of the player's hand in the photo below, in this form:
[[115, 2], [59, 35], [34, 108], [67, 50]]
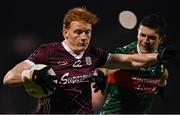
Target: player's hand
[[99, 81], [42, 76], [44, 79], [160, 91], [166, 53]]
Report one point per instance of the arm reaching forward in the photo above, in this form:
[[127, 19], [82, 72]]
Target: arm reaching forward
[[133, 61]]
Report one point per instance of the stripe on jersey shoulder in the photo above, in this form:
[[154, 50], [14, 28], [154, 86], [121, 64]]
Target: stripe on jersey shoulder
[[109, 56], [30, 63]]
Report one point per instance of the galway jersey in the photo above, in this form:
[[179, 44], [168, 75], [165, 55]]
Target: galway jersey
[[73, 95], [130, 91]]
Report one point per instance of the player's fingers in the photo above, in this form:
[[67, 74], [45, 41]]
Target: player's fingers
[[96, 89], [162, 68], [95, 85], [102, 92]]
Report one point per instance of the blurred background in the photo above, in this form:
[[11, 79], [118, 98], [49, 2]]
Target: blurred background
[[27, 24]]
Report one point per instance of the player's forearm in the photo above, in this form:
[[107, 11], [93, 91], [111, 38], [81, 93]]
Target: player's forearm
[[123, 61], [143, 60], [13, 77]]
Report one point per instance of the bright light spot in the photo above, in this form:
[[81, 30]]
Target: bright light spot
[[127, 19]]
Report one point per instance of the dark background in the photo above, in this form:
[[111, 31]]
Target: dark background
[[27, 24]]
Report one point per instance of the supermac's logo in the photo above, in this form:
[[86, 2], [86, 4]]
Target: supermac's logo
[[66, 79]]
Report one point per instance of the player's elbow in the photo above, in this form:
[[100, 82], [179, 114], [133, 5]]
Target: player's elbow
[[8, 79]]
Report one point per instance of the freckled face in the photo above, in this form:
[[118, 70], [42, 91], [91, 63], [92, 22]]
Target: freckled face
[[78, 36]]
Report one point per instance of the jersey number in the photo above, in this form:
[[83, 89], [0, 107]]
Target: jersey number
[[77, 63]]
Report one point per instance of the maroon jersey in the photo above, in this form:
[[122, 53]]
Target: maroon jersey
[[73, 95]]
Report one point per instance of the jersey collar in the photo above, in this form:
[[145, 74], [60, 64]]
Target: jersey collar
[[71, 52]]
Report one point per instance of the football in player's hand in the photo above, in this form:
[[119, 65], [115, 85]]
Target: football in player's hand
[[43, 83]]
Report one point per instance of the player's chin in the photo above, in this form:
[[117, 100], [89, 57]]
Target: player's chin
[[144, 50], [82, 48]]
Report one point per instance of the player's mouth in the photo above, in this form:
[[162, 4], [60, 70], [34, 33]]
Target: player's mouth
[[145, 48]]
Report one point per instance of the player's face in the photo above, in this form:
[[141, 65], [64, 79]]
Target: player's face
[[148, 39], [78, 36]]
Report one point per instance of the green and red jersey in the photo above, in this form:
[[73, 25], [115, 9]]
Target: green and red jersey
[[131, 91]]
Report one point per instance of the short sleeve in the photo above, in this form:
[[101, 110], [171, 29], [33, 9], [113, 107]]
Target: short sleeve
[[40, 55]]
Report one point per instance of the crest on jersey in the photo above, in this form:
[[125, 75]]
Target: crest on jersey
[[62, 63], [88, 60]]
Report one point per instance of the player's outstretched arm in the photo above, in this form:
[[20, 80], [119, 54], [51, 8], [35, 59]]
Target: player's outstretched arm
[[133, 61]]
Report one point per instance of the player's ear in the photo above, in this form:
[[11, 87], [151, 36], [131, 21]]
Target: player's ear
[[137, 33], [65, 33], [162, 39]]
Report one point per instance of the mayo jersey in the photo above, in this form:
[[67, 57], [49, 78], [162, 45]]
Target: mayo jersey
[[131, 91]]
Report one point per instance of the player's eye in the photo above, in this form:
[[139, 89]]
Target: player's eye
[[151, 37], [143, 35], [78, 32], [87, 32]]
